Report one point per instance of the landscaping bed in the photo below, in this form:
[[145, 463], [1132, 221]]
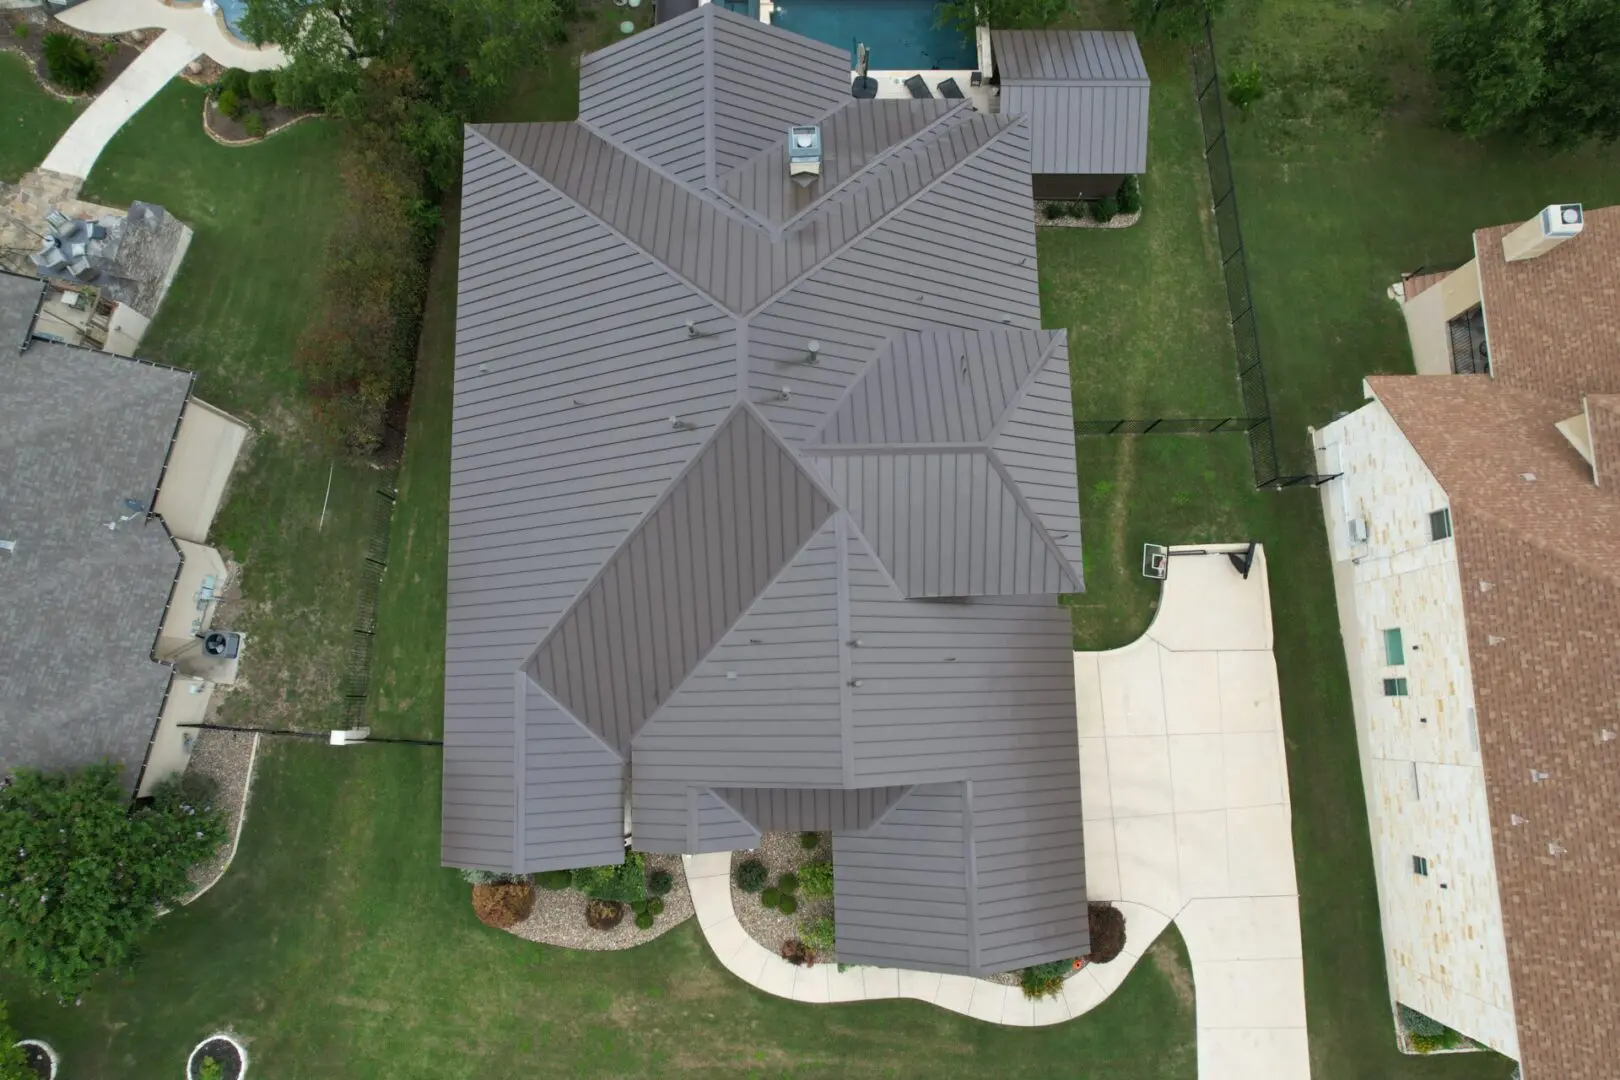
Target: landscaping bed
[[226, 758], [783, 855], [242, 107], [25, 32], [38, 1058], [218, 1057], [558, 915]]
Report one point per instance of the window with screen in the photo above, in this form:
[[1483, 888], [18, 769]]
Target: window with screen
[[1440, 523]]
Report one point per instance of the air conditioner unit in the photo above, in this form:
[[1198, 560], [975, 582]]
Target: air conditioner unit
[[1358, 530]]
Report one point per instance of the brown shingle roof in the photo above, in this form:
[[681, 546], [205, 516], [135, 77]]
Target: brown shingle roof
[[1554, 321], [1603, 427], [1539, 562]]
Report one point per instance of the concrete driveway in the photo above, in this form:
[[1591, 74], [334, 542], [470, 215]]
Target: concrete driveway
[[1185, 794]]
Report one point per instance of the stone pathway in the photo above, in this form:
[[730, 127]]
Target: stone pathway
[[207, 30], [76, 151], [1185, 800]]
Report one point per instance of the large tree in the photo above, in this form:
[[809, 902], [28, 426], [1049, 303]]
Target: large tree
[[1549, 69], [13, 1063], [83, 873]]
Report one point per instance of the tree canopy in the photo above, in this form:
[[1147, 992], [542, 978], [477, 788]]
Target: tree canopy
[[1548, 69], [83, 874], [13, 1062], [1171, 18]]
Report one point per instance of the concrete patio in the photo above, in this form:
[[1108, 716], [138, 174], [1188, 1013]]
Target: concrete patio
[[1185, 797]]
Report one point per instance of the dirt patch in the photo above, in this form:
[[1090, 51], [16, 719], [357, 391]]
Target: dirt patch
[[1175, 972], [115, 52]]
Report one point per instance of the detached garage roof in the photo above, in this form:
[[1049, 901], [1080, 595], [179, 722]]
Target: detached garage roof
[[758, 521], [1085, 93]]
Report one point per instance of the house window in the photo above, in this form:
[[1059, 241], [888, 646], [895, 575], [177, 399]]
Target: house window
[[1420, 866], [1394, 651], [1440, 523], [1394, 687]]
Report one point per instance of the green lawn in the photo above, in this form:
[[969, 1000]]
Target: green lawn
[[30, 119]]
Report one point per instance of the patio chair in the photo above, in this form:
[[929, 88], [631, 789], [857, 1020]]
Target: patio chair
[[918, 88], [949, 89]]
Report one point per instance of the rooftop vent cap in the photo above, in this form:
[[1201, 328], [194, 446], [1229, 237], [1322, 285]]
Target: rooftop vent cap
[[804, 153], [1554, 225]]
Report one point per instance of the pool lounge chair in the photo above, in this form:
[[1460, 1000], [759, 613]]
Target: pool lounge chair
[[949, 89], [918, 88]]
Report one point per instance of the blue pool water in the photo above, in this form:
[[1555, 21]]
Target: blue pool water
[[901, 34], [233, 10]]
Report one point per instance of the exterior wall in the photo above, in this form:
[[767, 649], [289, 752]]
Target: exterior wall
[[1421, 769], [191, 607], [1075, 185], [1428, 313], [187, 703], [200, 463], [125, 328]]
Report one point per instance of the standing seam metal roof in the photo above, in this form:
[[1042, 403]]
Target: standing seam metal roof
[[1085, 93]]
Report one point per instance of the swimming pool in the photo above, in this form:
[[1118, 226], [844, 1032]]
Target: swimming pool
[[233, 10], [901, 34]]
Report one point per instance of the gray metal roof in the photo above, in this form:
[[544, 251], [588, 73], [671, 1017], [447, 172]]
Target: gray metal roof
[[1085, 93], [81, 432], [661, 558]]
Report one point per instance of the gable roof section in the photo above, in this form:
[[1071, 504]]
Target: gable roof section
[[1553, 322], [81, 432], [811, 809], [1544, 647], [571, 788], [1085, 93]]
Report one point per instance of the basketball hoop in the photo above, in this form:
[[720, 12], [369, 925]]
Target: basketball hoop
[[1155, 561]]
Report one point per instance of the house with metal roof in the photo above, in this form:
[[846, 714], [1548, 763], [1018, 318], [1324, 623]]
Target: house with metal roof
[[113, 473], [763, 495], [1085, 93], [1473, 537]]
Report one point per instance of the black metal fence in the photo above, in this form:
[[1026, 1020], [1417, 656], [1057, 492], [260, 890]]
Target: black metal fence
[[1170, 425], [357, 675]]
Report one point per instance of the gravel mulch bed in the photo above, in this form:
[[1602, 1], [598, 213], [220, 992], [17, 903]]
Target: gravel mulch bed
[[781, 853], [32, 47], [232, 131], [222, 756], [558, 917], [1118, 221]]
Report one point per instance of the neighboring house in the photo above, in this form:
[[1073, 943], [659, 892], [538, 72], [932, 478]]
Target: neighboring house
[[1475, 537], [1086, 95], [762, 496], [112, 475]]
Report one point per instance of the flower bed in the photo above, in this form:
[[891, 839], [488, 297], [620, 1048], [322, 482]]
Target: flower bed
[[558, 917], [218, 1057], [39, 1058], [759, 910], [24, 31]]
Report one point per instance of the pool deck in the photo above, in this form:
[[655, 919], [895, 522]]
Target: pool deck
[[892, 84], [203, 28]]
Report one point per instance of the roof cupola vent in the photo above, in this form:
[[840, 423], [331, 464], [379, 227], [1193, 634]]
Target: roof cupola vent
[[804, 153]]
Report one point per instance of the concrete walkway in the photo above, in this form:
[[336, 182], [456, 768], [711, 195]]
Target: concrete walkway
[[76, 151], [207, 30], [1185, 799]]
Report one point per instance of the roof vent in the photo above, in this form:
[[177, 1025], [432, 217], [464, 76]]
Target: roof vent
[[1542, 233], [804, 153]]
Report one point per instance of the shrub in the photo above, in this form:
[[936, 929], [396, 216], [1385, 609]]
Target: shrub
[[237, 82], [1107, 932], [261, 87], [603, 914], [556, 880], [70, 64], [639, 906], [253, 124], [503, 905], [1417, 1024], [786, 904], [816, 879], [1053, 211], [626, 882], [788, 883], [659, 882], [1106, 208], [770, 898], [228, 104], [13, 1060], [1044, 980], [1244, 87], [797, 953], [1130, 195], [752, 875], [809, 841], [820, 934], [209, 1068], [490, 877], [644, 920], [85, 874], [109, 49], [655, 906], [1094, 210], [19, 30]]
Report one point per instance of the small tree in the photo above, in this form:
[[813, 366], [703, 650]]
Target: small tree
[[13, 1062], [1244, 87], [968, 15], [70, 63], [83, 874], [1171, 18]]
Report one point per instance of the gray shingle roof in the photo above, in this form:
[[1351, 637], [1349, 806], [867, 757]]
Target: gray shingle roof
[[1085, 93], [661, 556], [81, 432]]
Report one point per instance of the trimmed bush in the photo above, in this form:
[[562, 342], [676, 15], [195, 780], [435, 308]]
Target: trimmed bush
[[788, 883], [1130, 195], [261, 87], [228, 104], [70, 64], [603, 914], [1044, 980], [820, 934], [644, 920], [1107, 208], [1053, 211], [752, 875], [253, 124], [770, 898], [816, 879], [237, 82], [786, 904], [1107, 932], [639, 906], [19, 30], [809, 841], [797, 953], [503, 905], [626, 882], [556, 880], [490, 877], [655, 906], [109, 49], [659, 882]]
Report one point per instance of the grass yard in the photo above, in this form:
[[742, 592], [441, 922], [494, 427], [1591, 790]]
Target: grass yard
[[336, 945], [30, 119]]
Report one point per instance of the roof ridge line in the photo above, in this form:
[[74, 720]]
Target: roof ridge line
[[535, 687], [1060, 338], [1006, 125], [709, 177], [1033, 518], [846, 663], [896, 449]]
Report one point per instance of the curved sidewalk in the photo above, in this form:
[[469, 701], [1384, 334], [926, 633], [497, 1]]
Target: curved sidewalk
[[75, 153], [1187, 818], [199, 26]]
